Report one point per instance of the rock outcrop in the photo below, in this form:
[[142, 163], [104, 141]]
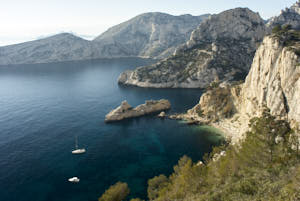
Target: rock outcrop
[[220, 49], [125, 111], [287, 16], [162, 115], [273, 81]]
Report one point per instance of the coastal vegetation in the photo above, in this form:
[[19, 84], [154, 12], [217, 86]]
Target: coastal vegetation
[[116, 192], [264, 166], [288, 36]]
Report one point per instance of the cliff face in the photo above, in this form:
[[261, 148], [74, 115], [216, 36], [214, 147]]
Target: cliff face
[[221, 48], [273, 81]]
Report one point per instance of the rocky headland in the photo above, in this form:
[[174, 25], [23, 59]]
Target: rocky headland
[[220, 49], [273, 82], [125, 111]]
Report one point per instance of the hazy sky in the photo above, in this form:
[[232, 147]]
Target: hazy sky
[[23, 20]]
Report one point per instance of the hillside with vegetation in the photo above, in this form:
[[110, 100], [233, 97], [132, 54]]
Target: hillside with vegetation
[[263, 162], [265, 166]]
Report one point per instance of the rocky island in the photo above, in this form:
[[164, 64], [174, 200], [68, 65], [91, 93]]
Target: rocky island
[[125, 111]]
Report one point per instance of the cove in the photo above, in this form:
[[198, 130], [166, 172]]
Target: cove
[[44, 106]]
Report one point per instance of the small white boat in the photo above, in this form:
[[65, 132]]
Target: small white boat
[[77, 150], [74, 180]]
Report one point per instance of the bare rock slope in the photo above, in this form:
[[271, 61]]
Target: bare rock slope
[[220, 49], [273, 81], [154, 35]]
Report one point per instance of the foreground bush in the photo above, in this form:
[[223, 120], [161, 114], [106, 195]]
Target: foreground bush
[[116, 192]]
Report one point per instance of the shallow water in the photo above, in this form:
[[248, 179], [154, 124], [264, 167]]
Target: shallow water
[[44, 106]]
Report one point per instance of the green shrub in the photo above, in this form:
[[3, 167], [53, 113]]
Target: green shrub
[[155, 185], [286, 27], [276, 29], [116, 192], [214, 85], [136, 199]]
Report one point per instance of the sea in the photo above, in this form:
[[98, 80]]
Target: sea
[[44, 107]]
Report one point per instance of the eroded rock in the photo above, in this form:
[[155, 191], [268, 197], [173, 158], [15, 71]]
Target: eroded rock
[[125, 111]]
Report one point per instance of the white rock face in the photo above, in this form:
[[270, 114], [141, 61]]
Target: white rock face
[[221, 48], [274, 81]]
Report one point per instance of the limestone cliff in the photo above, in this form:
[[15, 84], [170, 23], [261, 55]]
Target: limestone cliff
[[273, 81], [220, 49]]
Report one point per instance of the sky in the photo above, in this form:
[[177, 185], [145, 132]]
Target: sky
[[24, 20]]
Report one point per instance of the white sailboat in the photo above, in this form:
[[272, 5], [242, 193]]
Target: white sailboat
[[77, 150]]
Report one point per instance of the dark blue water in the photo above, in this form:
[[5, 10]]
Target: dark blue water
[[42, 108]]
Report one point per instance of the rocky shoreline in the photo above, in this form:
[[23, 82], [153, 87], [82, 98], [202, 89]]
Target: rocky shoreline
[[125, 111], [272, 82]]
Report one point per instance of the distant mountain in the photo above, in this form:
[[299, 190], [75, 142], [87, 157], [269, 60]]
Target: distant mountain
[[149, 35], [289, 16], [61, 47], [220, 49]]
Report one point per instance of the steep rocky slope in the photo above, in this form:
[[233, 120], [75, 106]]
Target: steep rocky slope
[[220, 49], [273, 81], [289, 16], [154, 35]]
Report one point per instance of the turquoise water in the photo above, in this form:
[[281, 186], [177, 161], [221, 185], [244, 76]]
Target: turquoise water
[[44, 106]]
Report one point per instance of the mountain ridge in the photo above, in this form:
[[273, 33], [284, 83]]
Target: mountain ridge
[[153, 42], [153, 34], [222, 45]]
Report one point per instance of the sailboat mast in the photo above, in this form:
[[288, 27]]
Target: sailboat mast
[[76, 143]]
